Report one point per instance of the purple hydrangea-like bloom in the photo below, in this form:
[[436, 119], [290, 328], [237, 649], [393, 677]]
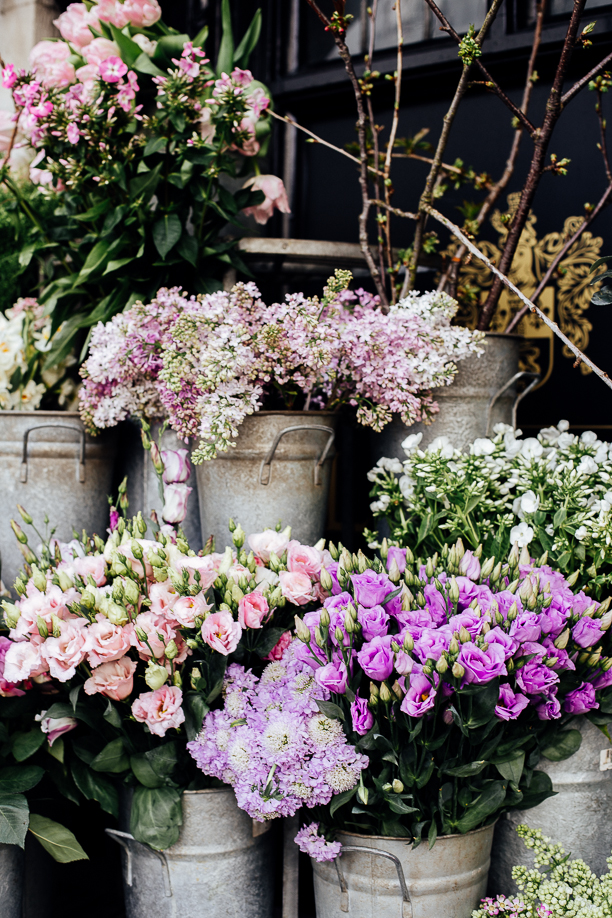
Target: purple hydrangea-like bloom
[[535, 678], [371, 588], [420, 697], [310, 842], [586, 632], [581, 700], [361, 716], [510, 704], [376, 658], [374, 622], [399, 556], [332, 677], [550, 709]]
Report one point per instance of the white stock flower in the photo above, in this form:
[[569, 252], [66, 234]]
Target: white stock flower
[[581, 533], [411, 442], [528, 503], [521, 535], [441, 445], [482, 446], [589, 438], [531, 448], [587, 466]]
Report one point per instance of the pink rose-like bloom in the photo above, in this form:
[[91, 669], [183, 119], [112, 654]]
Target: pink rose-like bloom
[[420, 697], [112, 69], [187, 608], [276, 197], [160, 710], [221, 632], [114, 12], [21, 661], [280, 647], [266, 542], [204, 566], [142, 13], [55, 726], [177, 467], [252, 609], [302, 559], [7, 689], [175, 502], [67, 651], [49, 61], [74, 24], [113, 680], [158, 632], [361, 716], [297, 588], [106, 642], [90, 565], [99, 50]]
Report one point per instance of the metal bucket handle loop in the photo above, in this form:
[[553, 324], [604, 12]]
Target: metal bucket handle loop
[[267, 462], [126, 841], [406, 911], [24, 453], [523, 374]]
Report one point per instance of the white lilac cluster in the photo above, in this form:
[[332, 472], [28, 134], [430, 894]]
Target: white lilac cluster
[[552, 492], [274, 746]]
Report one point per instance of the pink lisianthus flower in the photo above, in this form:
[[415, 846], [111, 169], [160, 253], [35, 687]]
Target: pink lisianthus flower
[[266, 542], [106, 642], [112, 69], [275, 197], [177, 468], [7, 689], [114, 12], [280, 647], [100, 50], [252, 609], [49, 61], [54, 727], [176, 497], [187, 608], [295, 587], [74, 23], [142, 13], [221, 632], [66, 652], [23, 660], [160, 710], [205, 566], [150, 635], [113, 680], [303, 559], [420, 697]]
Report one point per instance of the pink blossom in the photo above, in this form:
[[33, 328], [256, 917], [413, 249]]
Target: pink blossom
[[160, 710], [114, 12], [37, 604], [252, 610], [106, 642], [7, 689], [135, 563], [125, 98], [303, 559], [49, 61], [176, 497], [112, 69], [73, 133], [23, 660], [258, 102], [266, 542], [74, 24], [99, 50], [54, 727], [221, 632], [67, 651], [9, 77], [187, 608], [279, 648], [241, 77], [157, 633], [275, 196], [296, 587], [113, 680], [177, 467], [249, 145], [89, 566], [204, 566], [142, 13], [162, 596]]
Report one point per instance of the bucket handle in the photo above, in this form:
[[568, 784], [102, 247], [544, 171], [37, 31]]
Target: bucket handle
[[267, 462], [406, 911], [523, 374], [24, 453], [126, 841]]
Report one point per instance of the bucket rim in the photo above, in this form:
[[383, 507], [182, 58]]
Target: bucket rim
[[440, 838], [39, 414], [211, 790]]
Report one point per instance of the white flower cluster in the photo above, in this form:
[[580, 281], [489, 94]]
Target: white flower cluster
[[552, 492]]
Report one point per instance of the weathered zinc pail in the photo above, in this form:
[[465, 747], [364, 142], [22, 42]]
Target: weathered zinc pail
[[220, 867], [51, 466], [397, 881], [279, 470], [11, 881], [481, 395], [143, 483], [579, 817]]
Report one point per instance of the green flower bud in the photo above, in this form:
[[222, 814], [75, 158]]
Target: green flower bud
[[324, 619], [42, 627], [384, 549], [458, 671], [19, 533], [38, 579], [464, 635], [192, 644], [11, 614], [441, 666], [65, 582], [56, 625], [385, 693], [512, 612], [429, 569], [326, 581], [155, 675], [394, 572], [573, 578], [333, 551], [136, 550], [453, 647], [171, 650], [398, 787], [25, 516], [117, 614], [453, 590], [339, 635], [238, 536], [131, 592], [387, 788], [88, 599], [524, 557], [487, 567], [362, 794], [408, 643]]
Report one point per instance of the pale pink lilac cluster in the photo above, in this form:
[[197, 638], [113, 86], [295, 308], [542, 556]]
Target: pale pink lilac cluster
[[273, 745], [213, 360], [512, 907]]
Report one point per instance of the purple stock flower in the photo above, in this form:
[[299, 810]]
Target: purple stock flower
[[482, 665], [510, 704], [376, 658], [399, 556], [371, 588], [580, 700], [374, 622], [420, 697], [535, 678], [525, 627], [586, 632], [332, 677], [469, 566], [361, 715], [550, 709]]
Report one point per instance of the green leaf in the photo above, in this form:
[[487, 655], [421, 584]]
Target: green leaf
[[540, 789], [330, 709], [188, 249], [200, 40], [129, 50], [112, 715], [143, 770], [169, 46], [178, 121], [565, 744], [560, 517], [195, 708], [487, 803], [144, 64], [153, 767], [155, 145], [56, 839], [15, 779], [432, 834], [391, 596], [512, 769], [225, 57], [96, 787], [484, 700], [112, 758], [166, 233], [157, 816], [465, 771], [94, 260], [14, 813], [116, 264], [248, 43], [600, 261], [397, 805], [339, 800], [26, 744], [269, 639], [146, 183]]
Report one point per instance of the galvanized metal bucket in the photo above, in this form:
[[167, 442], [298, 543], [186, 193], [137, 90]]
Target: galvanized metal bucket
[[378, 877], [579, 817], [51, 466], [143, 483], [279, 470], [482, 394], [220, 867], [11, 881]]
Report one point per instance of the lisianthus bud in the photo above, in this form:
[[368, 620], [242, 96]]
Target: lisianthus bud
[[464, 635], [387, 788], [42, 627], [571, 580], [606, 664], [397, 690], [385, 693], [453, 647], [605, 605], [339, 635], [547, 601], [362, 563], [326, 581], [524, 557], [238, 536], [487, 567], [88, 599], [397, 786], [374, 690], [441, 666], [25, 516], [459, 549], [362, 794], [20, 586], [171, 650], [395, 647], [532, 602], [324, 619], [333, 551], [384, 549], [192, 643], [349, 624], [131, 592], [513, 557], [11, 614], [155, 675], [177, 679], [525, 589], [394, 572], [512, 612], [458, 671], [56, 625], [38, 579], [429, 569], [496, 574], [117, 614], [19, 533], [65, 582], [346, 562], [595, 657], [302, 630], [453, 590], [605, 621], [407, 600], [408, 643]]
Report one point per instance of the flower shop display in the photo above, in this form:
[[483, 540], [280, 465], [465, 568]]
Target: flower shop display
[[226, 365], [550, 493], [431, 689], [138, 139]]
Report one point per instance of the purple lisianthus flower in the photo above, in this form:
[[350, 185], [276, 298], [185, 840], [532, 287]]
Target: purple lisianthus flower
[[333, 677], [510, 704], [419, 618], [586, 632], [312, 619], [485, 597], [420, 697], [432, 643], [526, 627], [550, 709], [535, 678], [404, 664], [361, 716], [394, 606], [376, 658], [332, 570], [336, 620], [374, 622], [552, 621], [371, 588], [468, 591], [469, 620], [563, 657], [602, 679], [529, 648], [338, 601], [482, 665], [581, 602], [304, 654], [399, 556], [446, 690], [580, 700], [469, 566], [497, 636], [437, 604], [504, 600]]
